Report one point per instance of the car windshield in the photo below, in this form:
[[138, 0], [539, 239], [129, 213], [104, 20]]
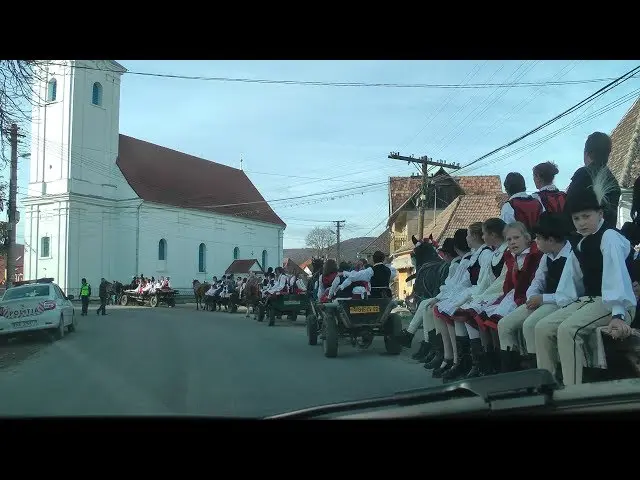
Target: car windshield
[[312, 232], [26, 291]]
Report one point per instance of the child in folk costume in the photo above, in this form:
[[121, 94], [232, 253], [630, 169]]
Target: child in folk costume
[[343, 268], [329, 273], [551, 238], [522, 260], [461, 256], [595, 288], [445, 351], [378, 277], [521, 207], [548, 195], [488, 291]]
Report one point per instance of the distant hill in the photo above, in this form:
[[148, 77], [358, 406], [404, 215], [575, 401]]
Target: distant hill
[[349, 249]]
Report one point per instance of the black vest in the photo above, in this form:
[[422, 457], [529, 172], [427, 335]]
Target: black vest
[[474, 270], [497, 269], [554, 272], [591, 262], [381, 276], [347, 292]]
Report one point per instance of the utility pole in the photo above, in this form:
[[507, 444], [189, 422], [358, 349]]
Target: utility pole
[[424, 162], [11, 250], [339, 223]]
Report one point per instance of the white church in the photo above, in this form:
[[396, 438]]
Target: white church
[[103, 204]]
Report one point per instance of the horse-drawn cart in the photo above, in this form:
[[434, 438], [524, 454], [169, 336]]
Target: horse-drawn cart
[[164, 296], [277, 305], [354, 319]]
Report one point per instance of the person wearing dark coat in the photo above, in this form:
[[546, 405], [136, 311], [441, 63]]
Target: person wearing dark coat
[[597, 149]]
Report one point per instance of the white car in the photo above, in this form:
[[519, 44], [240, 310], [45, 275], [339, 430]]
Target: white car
[[36, 305]]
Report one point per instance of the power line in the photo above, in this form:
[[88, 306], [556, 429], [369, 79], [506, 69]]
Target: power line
[[599, 92], [353, 84]]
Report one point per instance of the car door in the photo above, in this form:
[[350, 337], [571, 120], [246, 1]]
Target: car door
[[65, 305]]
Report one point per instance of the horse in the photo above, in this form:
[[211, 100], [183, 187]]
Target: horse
[[431, 269], [199, 290], [114, 291]]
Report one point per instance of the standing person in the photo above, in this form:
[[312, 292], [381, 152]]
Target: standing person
[[521, 207], [550, 197], [103, 294], [85, 294], [596, 155]]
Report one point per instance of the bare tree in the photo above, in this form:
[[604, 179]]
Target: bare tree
[[17, 95], [320, 239]]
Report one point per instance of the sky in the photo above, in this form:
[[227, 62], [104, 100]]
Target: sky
[[303, 140]]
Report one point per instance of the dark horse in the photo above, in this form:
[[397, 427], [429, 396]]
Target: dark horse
[[431, 271], [198, 291]]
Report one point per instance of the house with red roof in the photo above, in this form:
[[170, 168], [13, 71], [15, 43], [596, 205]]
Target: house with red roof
[[104, 204]]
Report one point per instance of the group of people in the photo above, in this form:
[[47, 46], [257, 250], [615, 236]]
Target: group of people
[[354, 282], [144, 284], [539, 286]]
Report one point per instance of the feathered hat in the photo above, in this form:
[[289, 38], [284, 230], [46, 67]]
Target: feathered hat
[[593, 196]]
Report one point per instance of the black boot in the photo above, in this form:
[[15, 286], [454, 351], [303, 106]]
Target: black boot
[[406, 338], [436, 354], [441, 370], [492, 364], [478, 358], [510, 360], [425, 347], [463, 366], [435, 339], [530, 361]]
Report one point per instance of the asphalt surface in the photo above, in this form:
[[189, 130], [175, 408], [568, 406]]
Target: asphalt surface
[[161, 361]]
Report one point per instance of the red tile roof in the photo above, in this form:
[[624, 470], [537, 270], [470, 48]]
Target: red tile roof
[[462, 212], [241, 266], [402, 189], [168, 177], [624, 160]]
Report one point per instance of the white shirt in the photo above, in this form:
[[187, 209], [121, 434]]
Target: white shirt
[[539, 282], [617, 291], [366, 275]]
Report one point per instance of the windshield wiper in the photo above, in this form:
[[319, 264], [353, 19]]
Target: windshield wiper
[[529, 388]]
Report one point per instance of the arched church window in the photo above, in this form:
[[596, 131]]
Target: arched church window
[[52, 87], [264, 260], [96, 98], [236, 253], [202, 258], [162, 249]]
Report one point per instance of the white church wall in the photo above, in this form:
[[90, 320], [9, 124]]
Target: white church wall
[[185, 230], [51, 121], [103, 242], [46, 230], [96, 133]]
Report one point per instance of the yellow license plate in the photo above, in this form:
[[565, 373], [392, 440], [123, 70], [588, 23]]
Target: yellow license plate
[[365, 309]]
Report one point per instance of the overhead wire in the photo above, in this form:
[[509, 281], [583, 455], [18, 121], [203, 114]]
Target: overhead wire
[[341, 83]]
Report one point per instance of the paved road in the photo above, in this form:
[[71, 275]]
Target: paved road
[[138, 361]]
